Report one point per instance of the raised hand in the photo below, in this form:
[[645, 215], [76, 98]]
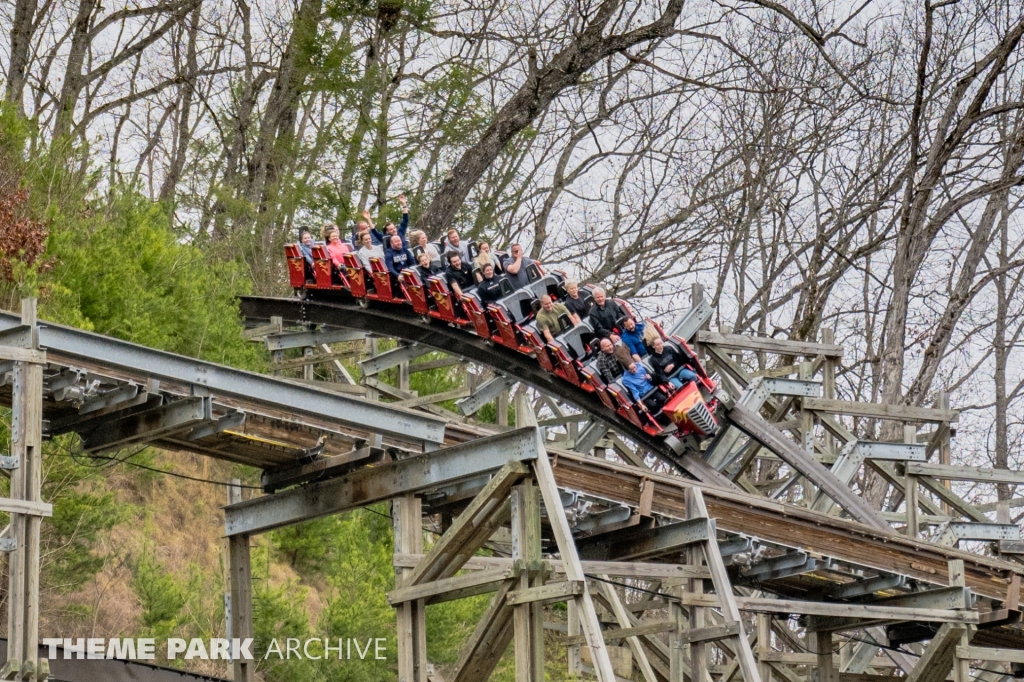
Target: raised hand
[[402, 200]]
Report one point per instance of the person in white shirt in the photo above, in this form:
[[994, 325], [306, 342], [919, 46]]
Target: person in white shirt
[[369, 250]]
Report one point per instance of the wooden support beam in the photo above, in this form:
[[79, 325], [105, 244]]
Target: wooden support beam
[[312, 358], [546, 594], [832, 609], [620, 569], [611, 596], [25, 503], [773, 439], [615, 634], [407, 513], [964, 473], [990, 655], [904, 413], [433, 398], [529, 598], [458, 587], [710, 633], [937, 660], [696, 508], [240, 567], [490, 638], [767, 345], [589, 621], [827, 671], [471, 530]]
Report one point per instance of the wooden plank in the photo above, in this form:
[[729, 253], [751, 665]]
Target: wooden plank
[[318, 358], [948, 472], [433, 398], [834, 609], [937, 660], [257, 333], [878, 411], [710, 633], [611, 596], [773, 439], [767, 345], [15, 354], [729, 607], [615, 634], [490, 638], [573, 568], [547, 594], [977, 653], [472, 529], [621, 569], [435, 364], [490, 580], [29, 508]]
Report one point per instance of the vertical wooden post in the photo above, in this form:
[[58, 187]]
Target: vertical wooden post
[[962, 666], [407, 513], [528, 619], [764, 645], [698, 650], [827, 671], [502, 409], [676, 662], [573, 652], [373, 394], [240, 575], [828, 385], [403, 376], [307, 369], [26, 484], [945, 447], [910, 487], [696, 298], [277, 355]]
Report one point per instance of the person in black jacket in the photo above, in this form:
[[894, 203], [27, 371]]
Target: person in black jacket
[[489, 288], [605, 315], [579, 307], [666, 361], [459, 275], [426, 268]]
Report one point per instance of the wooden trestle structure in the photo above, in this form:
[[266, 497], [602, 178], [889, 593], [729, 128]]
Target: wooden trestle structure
[[753, 557]]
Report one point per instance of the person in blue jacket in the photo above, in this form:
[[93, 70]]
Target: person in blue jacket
[[633, 337], [639, 384], [390, 230], [397, 258]]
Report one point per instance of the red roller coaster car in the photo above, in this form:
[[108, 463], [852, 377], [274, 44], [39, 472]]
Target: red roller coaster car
[[509, 322]]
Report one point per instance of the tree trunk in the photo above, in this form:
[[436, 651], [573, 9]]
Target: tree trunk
[[277, 133], [177, 162], [73, 79], [920, 223], [542, 86], [21, 43]]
